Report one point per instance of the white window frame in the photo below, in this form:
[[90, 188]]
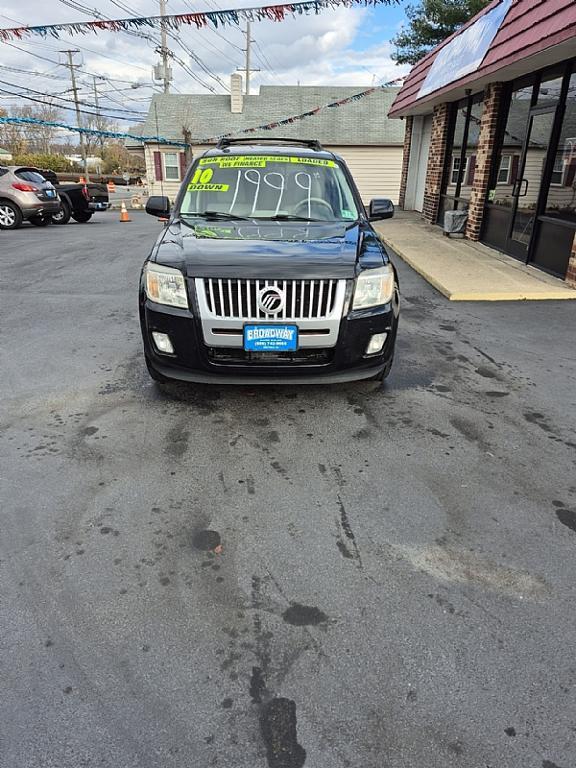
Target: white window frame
[[559, 159], [167, 166], [508, 170], [456, 169]]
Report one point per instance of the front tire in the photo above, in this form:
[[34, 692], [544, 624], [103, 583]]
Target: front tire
[[63, 215], [82, 216], [10, 215]]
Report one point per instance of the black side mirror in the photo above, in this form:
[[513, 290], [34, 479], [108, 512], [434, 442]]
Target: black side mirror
[[381, 208], [159, 206]]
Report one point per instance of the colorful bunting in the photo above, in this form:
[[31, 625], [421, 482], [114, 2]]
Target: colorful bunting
[[303, 116], [174, 21], [91, 131]]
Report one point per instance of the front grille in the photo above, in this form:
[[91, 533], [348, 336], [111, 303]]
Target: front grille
[[236, 356], [238, 299]]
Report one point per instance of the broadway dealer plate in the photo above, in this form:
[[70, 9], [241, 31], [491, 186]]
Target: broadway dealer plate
[[270, 338]]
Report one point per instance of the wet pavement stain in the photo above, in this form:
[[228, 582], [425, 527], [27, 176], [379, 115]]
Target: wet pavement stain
[[278, 726], [257, 685], [486, 372], [304, 615], [177, 441], [206, 540], [567, 518], [350, 551]]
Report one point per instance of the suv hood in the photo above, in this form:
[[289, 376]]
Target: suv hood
[[269, 249]]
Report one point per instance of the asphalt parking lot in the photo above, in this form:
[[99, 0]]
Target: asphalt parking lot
[[392, 584]]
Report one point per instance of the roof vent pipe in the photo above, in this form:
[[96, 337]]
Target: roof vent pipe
[[236, 96]]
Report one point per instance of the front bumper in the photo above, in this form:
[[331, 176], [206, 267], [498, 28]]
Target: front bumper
[[195, 361]]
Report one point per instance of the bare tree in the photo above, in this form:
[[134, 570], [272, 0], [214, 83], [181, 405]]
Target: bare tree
[[19, 138]]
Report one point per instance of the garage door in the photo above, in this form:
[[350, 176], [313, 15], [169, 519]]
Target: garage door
[[376, 170]]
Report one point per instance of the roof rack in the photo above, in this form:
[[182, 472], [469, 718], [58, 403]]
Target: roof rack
[[310, 143]]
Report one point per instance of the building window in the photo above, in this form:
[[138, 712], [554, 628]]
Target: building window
[[171, 166], [504, 170], [561, 197], [462, 146], [557, 177], [456, 169]]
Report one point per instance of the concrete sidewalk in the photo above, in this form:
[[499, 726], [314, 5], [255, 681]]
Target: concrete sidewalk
[[463, 270]]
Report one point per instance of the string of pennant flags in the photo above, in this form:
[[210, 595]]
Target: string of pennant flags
[[213, 139], [310, 113], [91, 131], [198, 19]]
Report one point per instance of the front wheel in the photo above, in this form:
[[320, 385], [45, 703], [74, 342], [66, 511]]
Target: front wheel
[[63, 215], [10, 215], [82, 216], [40, 221]]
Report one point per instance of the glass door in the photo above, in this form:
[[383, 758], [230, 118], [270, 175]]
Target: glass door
[[528, 184]]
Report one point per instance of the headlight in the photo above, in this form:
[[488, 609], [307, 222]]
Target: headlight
[[165, 285], [374, 287]]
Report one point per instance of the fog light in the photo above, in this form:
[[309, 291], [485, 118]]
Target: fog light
[[163, 343], [376, 343]]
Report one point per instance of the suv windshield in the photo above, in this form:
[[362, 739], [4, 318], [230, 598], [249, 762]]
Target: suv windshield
[[269, 187]]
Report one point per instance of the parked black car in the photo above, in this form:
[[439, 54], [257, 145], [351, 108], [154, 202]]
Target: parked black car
[[269, 271], [79, 201]]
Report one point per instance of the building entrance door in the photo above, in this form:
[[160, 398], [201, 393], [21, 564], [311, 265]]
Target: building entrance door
[[528, 187], [530, 211], [424, 151]]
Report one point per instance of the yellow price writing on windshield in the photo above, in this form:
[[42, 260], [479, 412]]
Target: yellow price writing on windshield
[[260, 161], [208, 187]]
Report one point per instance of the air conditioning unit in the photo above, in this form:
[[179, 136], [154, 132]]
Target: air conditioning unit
[[455, 223]]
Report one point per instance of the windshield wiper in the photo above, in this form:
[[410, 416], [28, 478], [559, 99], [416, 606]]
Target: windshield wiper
[[285, 217], [215, 215]]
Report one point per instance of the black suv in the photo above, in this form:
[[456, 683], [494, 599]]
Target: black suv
[[269, 271]]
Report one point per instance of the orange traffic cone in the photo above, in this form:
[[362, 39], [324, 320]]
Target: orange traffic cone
[[124, 213]]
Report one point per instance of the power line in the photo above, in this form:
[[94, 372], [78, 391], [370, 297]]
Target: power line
[[160, 44], [82, 111], [61, 98]]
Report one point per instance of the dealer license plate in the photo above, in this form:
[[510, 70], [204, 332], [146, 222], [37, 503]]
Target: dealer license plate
[[270, 338]]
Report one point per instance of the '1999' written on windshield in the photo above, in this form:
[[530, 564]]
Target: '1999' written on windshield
[[251, 171]]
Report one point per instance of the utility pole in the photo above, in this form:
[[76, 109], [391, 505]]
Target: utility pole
[[98, 118], [71, 66], [247, 68], [164, 49]]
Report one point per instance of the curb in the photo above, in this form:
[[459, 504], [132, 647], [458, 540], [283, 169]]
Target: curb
[[480, 296]]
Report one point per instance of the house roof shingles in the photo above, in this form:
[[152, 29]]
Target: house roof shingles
[[529, 27], [358, 123]]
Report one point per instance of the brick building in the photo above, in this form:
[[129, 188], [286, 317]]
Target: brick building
[[491, 130]]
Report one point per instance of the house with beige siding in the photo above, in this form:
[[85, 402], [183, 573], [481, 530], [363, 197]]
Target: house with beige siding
[[370, 143]]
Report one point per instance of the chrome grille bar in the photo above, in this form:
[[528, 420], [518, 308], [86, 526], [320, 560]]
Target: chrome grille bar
[[233, 298]]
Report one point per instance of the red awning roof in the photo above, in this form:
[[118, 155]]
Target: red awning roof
[[530, 27]]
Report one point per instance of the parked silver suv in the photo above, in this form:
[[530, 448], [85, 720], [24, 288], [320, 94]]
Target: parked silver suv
[[25, 195]]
